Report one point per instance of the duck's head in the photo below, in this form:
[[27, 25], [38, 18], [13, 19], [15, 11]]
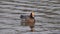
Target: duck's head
[[32, 14]]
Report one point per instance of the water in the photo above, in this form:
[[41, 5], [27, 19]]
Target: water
[[47, 15]]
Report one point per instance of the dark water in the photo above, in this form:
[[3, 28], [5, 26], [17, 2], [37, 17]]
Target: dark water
[[47, 15]]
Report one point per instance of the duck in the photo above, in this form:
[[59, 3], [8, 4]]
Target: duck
[[30, 21]]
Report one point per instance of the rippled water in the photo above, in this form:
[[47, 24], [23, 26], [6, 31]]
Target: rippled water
[[47, 15]]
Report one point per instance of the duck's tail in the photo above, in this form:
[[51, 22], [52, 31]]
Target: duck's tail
[[23, 16]]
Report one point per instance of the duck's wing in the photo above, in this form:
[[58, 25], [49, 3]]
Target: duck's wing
[[30, 21]]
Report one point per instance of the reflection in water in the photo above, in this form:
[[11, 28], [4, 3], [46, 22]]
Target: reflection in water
[[47, 16]]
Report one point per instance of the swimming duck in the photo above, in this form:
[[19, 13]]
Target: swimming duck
[[30, 21]]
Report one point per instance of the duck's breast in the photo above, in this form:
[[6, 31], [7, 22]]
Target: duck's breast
[[30, 21]]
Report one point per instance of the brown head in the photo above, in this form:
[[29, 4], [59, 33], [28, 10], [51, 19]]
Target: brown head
[[32, 15]]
